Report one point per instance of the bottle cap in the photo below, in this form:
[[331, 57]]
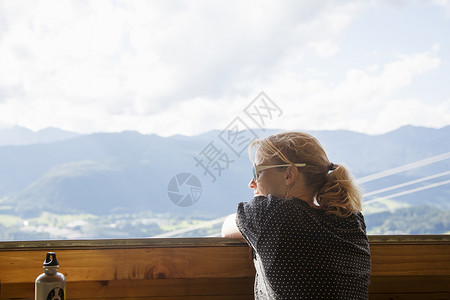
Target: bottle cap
[[50, 260]]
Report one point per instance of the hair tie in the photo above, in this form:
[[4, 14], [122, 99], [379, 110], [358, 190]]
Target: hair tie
[[332, 167]]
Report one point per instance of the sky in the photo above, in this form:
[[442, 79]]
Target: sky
[[187, 67]]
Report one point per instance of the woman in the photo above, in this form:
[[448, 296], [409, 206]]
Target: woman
[[304, 224]]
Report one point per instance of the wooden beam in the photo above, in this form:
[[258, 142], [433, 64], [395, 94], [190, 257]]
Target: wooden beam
[[206, 268]]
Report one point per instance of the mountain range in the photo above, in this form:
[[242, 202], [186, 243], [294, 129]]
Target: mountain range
[[104, 173], [23, 136]]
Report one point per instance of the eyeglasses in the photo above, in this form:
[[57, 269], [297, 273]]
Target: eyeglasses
[[257, 169]]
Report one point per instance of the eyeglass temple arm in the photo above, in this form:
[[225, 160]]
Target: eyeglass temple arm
[[260, 168]]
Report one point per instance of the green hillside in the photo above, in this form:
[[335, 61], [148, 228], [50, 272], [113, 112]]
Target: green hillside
[[410, 220]]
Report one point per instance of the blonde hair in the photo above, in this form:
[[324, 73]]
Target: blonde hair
[[332, 184]]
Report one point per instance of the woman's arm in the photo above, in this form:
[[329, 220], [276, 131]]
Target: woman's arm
[[230, 229]]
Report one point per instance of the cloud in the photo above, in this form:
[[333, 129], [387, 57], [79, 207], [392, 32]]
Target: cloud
[[399, 112], [161, 47], [186, 67], [363, 100], [445, 4]]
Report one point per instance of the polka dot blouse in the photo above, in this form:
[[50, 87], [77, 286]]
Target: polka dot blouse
[[302, 253]]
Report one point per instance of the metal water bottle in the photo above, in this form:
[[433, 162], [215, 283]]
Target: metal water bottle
[[50, 285]]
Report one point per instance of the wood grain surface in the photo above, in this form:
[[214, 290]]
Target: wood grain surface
[[207, 269]]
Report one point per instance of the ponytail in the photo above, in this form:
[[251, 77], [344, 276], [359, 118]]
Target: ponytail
[[339, 195]]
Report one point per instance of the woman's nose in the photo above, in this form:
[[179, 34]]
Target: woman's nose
[[252, 184]]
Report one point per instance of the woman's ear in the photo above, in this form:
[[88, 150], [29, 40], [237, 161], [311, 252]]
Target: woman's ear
[[291, 175]]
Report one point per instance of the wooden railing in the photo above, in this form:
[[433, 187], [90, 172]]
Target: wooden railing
[[403, 267]]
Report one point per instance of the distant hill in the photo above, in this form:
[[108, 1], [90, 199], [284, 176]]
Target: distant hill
[[419, 219], [107, 173], [23, 136]]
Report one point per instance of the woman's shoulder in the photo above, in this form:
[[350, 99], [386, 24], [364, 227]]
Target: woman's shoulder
[[293, 207]]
